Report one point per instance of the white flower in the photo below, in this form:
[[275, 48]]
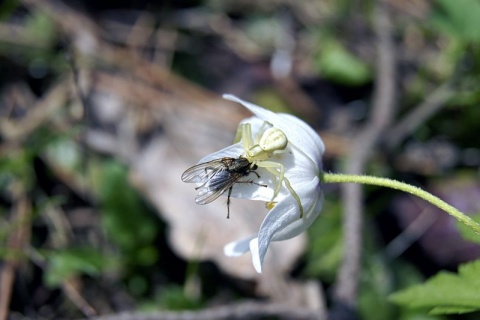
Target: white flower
[[297, 198]]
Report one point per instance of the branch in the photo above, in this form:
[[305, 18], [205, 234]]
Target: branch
[[352, 194], [240, 311], [421, 113]]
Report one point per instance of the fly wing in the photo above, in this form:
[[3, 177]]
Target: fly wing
[[215, 187], [203, 172]]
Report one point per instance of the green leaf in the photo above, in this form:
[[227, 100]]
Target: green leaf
[[74, 262], [467, 233], [446, 292], [41, 28], [7, 7], [451, 310], [172, 297], [324, 253], [338, 64], [460, 18], [125, 218], [14, 166], [375, 285]]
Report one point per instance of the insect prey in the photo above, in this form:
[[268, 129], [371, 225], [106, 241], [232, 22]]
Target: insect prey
[[217, 176]]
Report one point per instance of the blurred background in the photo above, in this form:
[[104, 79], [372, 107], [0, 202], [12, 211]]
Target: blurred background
[[103, 105]]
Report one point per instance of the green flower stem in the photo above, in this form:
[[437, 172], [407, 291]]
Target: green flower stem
[[394, 184]]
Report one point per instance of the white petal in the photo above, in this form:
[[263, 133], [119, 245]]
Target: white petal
[[283, 214], [260, 112], [304, 137], [256, 260], [237, 248], [297, 227], [298, 168], [284, 222], [232, 151]]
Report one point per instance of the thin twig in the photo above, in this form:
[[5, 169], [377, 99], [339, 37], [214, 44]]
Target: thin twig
[[71, 290], [16, 242], [38, 114], [382, 112], [239, 311], [414, 231], [434, 102]]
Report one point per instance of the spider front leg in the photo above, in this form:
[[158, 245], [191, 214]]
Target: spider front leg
[[258, 147], [278, 170], [244, 134]]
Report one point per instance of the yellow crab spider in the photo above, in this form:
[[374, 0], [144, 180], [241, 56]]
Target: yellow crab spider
[[268, 141]]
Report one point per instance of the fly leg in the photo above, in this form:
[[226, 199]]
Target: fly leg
[[228, 201], [230, 193]]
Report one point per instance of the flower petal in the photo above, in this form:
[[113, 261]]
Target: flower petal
[[283, 214], [256, 261], [239, 247], [283, 221], [304, 137], [300, 225]]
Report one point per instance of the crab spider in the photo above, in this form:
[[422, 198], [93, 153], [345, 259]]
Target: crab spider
[[268, 141]]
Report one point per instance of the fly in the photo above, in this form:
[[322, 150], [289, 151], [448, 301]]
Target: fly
[[217, 176]]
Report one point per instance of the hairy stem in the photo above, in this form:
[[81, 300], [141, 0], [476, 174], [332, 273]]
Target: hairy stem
[[394, 184]]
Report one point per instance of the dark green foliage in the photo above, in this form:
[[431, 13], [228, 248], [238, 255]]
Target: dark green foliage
[[125, 217], [445, 293]]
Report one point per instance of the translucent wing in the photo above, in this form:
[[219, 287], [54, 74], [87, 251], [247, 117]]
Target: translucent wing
[[204, 172], [215, 187], [215, 177]]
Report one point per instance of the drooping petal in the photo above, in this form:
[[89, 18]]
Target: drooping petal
[[283, 221], [283, 214], [239, 247], [254, 249], [300, 225]]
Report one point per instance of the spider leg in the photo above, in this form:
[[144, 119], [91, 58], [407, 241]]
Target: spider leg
[[278, 170], [246, 135]]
